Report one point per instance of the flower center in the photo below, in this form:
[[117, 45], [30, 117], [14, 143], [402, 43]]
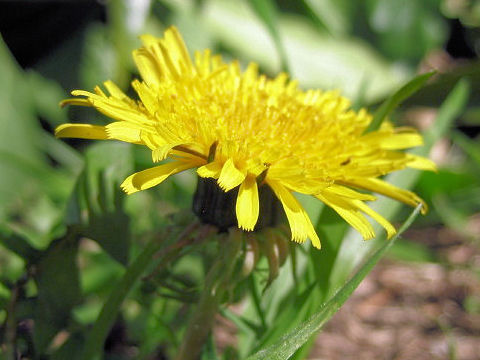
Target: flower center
[[214, 206]]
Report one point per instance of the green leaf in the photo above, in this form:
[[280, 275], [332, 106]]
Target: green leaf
[[397, 98], [267, 11], [58, 286], [290, 342]]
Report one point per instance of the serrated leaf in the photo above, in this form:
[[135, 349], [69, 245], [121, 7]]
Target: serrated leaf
[[98, 192]]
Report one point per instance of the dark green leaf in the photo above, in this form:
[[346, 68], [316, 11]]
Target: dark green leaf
[[18, 244], [433, 94], [209, 350], [71, 350]]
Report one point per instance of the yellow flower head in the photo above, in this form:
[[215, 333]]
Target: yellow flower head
[[246, 131]]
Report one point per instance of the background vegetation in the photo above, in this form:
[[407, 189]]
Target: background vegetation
[[67, 233]]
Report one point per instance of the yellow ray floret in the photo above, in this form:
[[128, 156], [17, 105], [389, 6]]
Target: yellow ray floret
[[247, 131]]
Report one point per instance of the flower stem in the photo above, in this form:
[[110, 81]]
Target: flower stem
[[172, 246], [218, 281]]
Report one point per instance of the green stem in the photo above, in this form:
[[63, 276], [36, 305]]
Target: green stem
[[219, 280], [108, 314]]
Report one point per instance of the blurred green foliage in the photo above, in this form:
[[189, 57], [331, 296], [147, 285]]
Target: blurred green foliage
[[68, 234]]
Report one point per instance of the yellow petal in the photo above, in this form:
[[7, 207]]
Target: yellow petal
[[169, 64], [124, 131], [230, 176], [161, 152], [300, 224], [147, 178], [401, 141], [87, 94], [349, 213], [147, 66], [347, 192], [148, 40], [75, 101], [114, 90], [421, 163], [384, 188], [376, 216], [210, 170], [247, 206], [81, 131], [147, 96], [173, 37]]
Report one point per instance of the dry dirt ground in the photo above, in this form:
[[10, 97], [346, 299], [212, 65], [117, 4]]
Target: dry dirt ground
[[412, 311]]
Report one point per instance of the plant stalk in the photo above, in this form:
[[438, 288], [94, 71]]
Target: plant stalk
[[172, 246]]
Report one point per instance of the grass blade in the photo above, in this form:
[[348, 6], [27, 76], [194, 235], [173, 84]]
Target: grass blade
[[397, 98]]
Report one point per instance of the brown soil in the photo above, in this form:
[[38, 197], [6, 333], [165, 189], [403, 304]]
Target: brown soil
[[412, 310]]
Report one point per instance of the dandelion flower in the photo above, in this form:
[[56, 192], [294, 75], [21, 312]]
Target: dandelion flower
[[247, 131]]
